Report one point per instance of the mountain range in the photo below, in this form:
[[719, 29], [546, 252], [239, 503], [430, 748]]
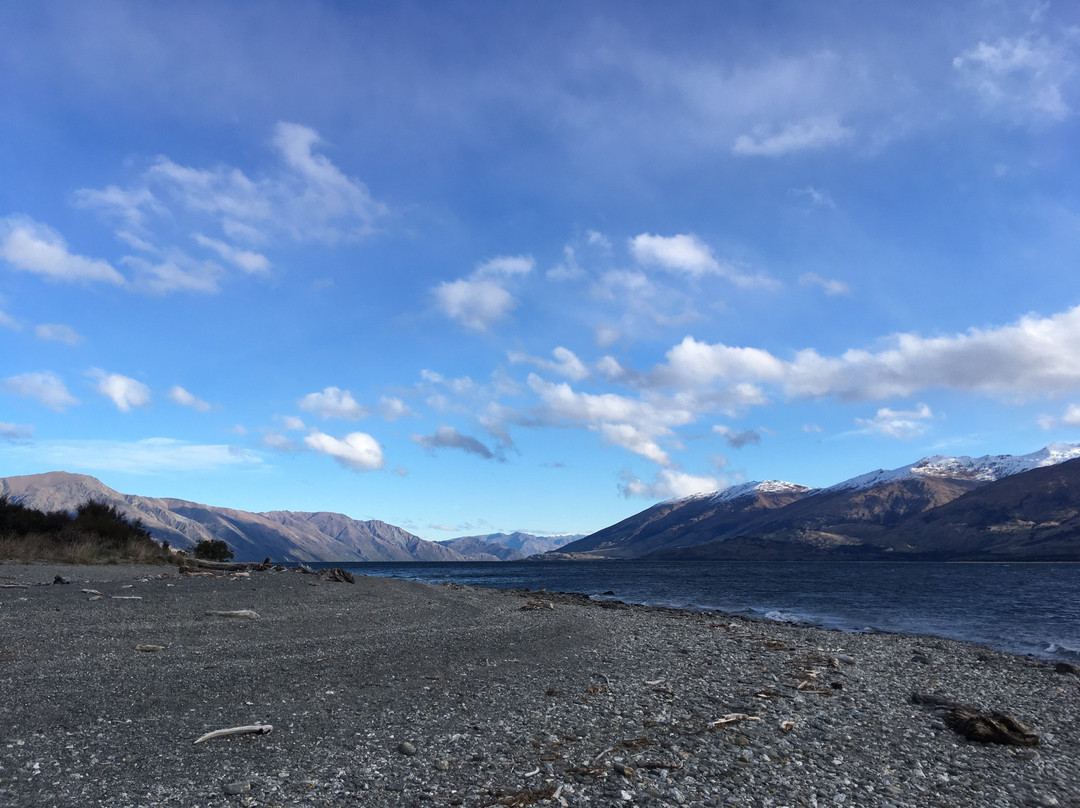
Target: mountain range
[[279, 535], [998, 507], [507, 546]]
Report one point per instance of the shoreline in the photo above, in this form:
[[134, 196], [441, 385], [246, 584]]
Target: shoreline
[[388, 692]]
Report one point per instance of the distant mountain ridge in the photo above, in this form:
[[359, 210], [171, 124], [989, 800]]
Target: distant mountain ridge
[[279, 535], [507, 546], [909, 512]]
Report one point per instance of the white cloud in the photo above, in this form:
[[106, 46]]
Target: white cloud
[[357, 450], [129, 206], [148, 456], [566, 363], [177, 273], [16, 433], [567, 270], [251, 262], [1071, 417], [280, 443], [811, 133], [447, 437], [669, 484], [504, 266], [818, 198], [633, 424], [477, 305], [45, 387], [33, 247], [7, 321], [686, 254], [481, 300], [178, 395], [1034, 356], [391, 409], [293, 424], [123, 391], [333, 402], [681, 253], [831, 287], [58, 332], [1023, 79], [903, 425]]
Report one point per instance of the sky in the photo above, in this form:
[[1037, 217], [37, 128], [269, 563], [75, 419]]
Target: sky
[[495, 266]]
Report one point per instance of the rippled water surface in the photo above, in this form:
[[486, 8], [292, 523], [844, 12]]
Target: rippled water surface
[[1022, 608]]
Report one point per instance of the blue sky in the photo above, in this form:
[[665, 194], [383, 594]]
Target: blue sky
[[468, 267]]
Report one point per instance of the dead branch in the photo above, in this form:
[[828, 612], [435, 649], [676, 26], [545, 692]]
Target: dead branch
[[257, 729]]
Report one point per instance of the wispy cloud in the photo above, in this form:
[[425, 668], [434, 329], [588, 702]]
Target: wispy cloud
[[29, 246], [178, 395], [900, 424], [808, 134], [831, 286], [16, 433], [58, 332], [1021, 78], [143, 457], [566, 363], [43, 386]]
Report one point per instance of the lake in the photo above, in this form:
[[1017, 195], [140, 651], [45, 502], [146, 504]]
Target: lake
[[1020, 608]]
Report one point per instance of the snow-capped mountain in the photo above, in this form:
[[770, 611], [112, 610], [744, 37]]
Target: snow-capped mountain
[[979, 469]]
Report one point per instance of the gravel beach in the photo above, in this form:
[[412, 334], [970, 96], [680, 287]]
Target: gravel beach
[[390, 693]]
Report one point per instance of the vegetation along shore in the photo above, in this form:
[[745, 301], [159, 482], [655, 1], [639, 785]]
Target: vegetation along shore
[[391, 693]]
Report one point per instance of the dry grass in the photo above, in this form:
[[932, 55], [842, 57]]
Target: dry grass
[[80, 548]]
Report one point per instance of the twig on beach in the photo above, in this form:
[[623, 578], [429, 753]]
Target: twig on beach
[[257, 729], [533, 773], [14, 586], [598, 757]]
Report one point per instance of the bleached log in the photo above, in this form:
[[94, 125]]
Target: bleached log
[[256, 729]]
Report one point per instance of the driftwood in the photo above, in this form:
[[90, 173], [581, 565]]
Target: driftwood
[[243, 614], [224, 566], [150, 648], [339, 575], [257, 729], [984, 726], [732, 718]]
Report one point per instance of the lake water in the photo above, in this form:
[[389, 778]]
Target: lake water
[[1020, 608]]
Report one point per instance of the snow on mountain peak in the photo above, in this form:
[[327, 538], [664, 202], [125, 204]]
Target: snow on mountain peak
[[982, 469]]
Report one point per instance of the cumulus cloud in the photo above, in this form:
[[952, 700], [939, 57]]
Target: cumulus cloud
[[831, 287], [123, 391], [29, 246], [481, 300], [1022, 79], [811, 133], [1034, 356], [447, 437], [16, 433], [476, 304], [565, 363], [357, 450], [293, 424], [178, 395], [58, 332], [900, 424], [737, 438], [633, 424], [333, 402], [247, 260], [43, 386], [669, 484]]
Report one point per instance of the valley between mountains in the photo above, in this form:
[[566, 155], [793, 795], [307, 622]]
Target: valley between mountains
[[993, 508]]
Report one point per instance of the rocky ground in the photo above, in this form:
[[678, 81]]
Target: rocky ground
[[387, 693]]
